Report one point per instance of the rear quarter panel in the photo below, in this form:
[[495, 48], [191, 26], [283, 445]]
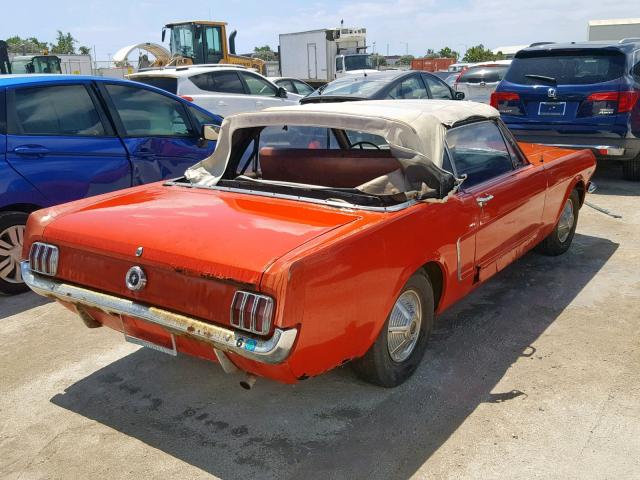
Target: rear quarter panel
[[340, 291]]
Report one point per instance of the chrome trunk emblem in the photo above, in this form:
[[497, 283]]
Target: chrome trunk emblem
[[552, 93], [135, 279]]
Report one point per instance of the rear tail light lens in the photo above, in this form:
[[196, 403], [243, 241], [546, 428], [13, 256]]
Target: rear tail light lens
[[609, 103], [252, 312], [43, 258], [507, 102]]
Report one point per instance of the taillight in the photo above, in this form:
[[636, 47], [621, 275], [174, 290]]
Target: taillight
[[43, 258], [187, 98], [609, 103], [507, 102], [252, 312]]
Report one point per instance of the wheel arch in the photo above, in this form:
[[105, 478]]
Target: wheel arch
[[20, 207]]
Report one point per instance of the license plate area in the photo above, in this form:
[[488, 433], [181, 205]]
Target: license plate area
[[552, 108], [148, 335]]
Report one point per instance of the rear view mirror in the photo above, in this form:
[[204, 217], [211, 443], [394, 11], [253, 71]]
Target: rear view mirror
[[210, 132], [459, 95]]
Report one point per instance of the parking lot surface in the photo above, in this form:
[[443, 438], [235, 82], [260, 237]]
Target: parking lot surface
[[535, 375]]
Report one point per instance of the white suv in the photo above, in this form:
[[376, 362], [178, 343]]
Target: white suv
[[221, 89]]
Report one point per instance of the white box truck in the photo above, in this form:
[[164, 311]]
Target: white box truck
[[320, 56], [614, 30]]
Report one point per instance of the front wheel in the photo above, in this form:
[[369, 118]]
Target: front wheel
[[12, 226], [401, 344], [559, 240]]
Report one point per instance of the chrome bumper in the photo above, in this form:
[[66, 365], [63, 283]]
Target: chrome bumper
[[272, 350]]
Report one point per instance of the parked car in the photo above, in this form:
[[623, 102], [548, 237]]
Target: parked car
[[577, 95], [384, 85], [479, 81], [293, 250], [293, 85], [223, 89], [68, 137]]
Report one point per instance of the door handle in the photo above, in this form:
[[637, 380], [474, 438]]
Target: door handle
[[484, 199], [31, 150], [221, 103], [144, 152], [259, 103]]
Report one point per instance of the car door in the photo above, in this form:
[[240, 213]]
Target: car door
[[60, 140], [509, 192], [264, 93], [157, 132], [222, 92]]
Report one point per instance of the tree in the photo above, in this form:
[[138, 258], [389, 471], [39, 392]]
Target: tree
[[264, 53], [431, 53], [446, 52], [405, 59], [65, 44], [378, 60], [21, 46], [478, 53], [82, 50]]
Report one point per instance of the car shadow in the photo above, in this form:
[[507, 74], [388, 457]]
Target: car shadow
[[335, 426], [11, 305], [608, 179]]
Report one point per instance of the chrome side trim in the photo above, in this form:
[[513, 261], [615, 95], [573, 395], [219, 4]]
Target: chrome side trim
[[612, 151], [330, 203], [458, 260], [271, 350]]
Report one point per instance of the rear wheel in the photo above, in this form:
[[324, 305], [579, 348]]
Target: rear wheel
[[401, 344], [631, 169], [559, 240], [12, 225]]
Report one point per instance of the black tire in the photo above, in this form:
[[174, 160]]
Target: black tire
[[7, 282], [555, 244], [631, 169], [377, 366]]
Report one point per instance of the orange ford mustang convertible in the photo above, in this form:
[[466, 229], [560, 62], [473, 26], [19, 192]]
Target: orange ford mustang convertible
[[313, 236]]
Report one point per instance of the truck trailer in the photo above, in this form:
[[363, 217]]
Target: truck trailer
[[320, 56]]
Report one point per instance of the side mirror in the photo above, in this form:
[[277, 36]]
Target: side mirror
[[459, 95], [282, 92], [210, 132]]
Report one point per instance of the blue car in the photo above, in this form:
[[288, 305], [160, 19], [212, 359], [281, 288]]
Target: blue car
[[577, 95], [63, 138]]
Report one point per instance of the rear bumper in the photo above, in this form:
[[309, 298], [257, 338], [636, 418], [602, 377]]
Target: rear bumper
[[273, 350], [603, 147]]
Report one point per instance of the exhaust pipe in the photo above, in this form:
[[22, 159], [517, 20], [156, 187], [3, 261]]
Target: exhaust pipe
[[248, 381], [232, 42]]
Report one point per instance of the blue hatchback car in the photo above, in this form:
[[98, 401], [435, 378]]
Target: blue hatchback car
[[577, 95], [63, 138]]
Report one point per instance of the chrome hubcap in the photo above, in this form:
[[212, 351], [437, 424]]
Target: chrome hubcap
[[10, 253], [404, 326], [566, 221]]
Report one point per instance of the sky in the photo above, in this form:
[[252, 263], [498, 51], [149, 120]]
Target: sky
[[398, 27]]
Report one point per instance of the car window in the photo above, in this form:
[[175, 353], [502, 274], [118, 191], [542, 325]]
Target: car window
[[145, 113], [479, 151], [203, 118], [303, 88], [225, 82], [408, 89], [483, 74], [55, 110], [567, 67], [259, 86], [167, 84], [446, 162], [437, 87], [285, 83], [635, 71]]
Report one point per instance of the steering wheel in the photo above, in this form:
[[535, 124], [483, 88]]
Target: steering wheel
[[362, 143]]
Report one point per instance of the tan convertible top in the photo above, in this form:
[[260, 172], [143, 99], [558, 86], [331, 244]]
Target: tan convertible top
[[416, 126]]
